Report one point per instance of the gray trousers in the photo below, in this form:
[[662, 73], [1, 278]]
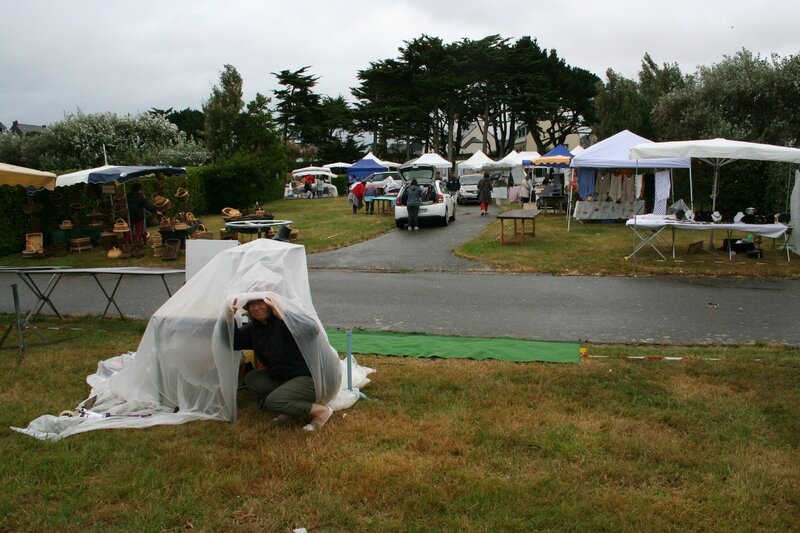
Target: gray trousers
[[292, 398]]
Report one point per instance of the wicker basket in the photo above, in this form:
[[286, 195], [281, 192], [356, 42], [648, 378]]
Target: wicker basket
[[114, 253], [120, 226], [29, 252], [80, 244], [182, 193], [231, 212], [202, 233], [34, 241], [158, 250], [65, 225], [172, 248]]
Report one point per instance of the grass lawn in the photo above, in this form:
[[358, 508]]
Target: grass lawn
[[711, 442], [587, 249], [598, 249], [708, 443]]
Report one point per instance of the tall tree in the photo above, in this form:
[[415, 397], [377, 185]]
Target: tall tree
[[221, 112], [298, 106], [619, 106]]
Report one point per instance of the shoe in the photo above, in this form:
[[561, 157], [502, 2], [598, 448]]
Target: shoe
[[314, 425], [410, 228], [482, 213], [416, 228], [282, 419]]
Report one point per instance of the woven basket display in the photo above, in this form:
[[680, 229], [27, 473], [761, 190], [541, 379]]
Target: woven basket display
[[80, 244], [202, 233], [172, 248], [161, 203], [34, 241], [120, 226], [29, 252]]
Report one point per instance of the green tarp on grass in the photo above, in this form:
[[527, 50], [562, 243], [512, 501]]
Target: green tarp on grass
[[421, 345]]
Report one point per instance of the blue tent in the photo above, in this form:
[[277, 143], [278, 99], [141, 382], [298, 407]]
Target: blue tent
[[363, 168], [558, 157]]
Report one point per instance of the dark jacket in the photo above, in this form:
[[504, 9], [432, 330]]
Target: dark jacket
[[274, 346], [413, 196], [485, 190], [137, 205]]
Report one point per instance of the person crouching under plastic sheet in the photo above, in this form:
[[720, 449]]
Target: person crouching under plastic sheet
[[285, 385]]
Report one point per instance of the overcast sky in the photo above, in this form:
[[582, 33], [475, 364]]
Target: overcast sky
[[127, 57]]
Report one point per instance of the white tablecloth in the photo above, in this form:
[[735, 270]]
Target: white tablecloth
[[774, 231]]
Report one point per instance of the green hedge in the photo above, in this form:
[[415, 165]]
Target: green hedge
[[14, 224], [240, 182]]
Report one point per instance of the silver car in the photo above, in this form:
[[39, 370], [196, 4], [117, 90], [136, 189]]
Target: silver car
[[468, 190]]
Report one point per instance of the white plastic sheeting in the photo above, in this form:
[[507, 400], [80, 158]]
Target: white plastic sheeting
[[185, 369]]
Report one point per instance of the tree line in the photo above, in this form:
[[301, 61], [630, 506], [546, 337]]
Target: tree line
[[427, 96]]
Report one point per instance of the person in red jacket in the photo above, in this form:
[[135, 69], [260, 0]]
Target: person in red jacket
[[356, 196]]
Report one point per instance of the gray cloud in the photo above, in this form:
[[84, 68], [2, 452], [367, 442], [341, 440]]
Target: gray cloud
[[97, 56]]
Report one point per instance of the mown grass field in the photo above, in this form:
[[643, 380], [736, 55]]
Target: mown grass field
[[709, 443]]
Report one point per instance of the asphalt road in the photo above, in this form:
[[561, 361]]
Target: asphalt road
[[409, 281]]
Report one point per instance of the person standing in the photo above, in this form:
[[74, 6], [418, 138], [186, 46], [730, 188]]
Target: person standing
[[453, 186], [413, 199], [137, 205], [356, 196], [485, 193], [525, 190]]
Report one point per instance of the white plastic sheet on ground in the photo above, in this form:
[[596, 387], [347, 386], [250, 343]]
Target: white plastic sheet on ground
[[185, 369]]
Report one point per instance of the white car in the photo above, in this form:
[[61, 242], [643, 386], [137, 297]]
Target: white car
[[386, 182], [468, 189], [437, 202]]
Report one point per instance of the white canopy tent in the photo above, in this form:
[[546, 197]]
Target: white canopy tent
[[528, 158], [388, 164], [512, 162], [614, 153], [433, 159], [312, 171], [474, 163], [717, 153], [331, 166]]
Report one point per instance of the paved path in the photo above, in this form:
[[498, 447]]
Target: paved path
[[405, 281]]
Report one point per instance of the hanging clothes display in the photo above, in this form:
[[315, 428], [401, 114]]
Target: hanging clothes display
[[662, 192]]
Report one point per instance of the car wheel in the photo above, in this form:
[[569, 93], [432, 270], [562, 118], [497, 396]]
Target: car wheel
[[398, 224], [445, 219], [453, 216]]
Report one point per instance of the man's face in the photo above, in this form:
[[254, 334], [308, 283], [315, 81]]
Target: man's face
[[259, 310]]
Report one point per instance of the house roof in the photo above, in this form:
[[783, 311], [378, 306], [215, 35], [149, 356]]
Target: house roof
[[21, 129]]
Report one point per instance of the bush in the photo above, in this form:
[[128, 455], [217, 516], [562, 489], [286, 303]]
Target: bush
[[14, 224], [240, 181]]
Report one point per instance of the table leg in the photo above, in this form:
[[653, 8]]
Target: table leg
[[110, 297], [43, 297], [502, 232]]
